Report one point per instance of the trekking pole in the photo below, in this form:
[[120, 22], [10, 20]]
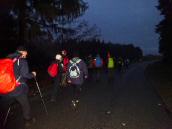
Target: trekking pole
[[6, 117], [41, 95]]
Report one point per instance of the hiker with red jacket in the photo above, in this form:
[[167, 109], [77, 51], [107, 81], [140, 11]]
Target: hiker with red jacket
[[20, 93], [65, 60], [76, 73], [57, 76], [65, 64]]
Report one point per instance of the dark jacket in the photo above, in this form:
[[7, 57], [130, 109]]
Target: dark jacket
[[21, 69], [83, 71]]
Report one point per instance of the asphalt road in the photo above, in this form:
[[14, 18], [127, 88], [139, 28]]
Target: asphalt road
[[129, 102]]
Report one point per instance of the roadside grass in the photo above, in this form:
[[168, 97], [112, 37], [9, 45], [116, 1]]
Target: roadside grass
[[160, 75]]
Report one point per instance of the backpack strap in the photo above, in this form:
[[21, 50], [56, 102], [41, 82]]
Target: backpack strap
[[79, 60], [18, 63], [76, 61], [73, 63], [16, 59]]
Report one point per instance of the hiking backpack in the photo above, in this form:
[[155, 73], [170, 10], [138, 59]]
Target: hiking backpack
[[53, 69], [8, 82], [74, 71], [98, 62]]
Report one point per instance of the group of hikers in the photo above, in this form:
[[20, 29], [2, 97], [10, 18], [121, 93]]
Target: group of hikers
[[109, 64], [63, 70]]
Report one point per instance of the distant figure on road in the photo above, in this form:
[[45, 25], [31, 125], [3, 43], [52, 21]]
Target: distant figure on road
[[126, 63], [89, 62], [120, 63], [98, 67], [111, 67]]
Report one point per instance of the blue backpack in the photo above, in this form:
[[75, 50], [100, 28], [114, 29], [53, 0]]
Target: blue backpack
[[98, 62]]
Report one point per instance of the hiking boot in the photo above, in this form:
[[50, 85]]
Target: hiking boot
[[77, 101], [28, 123], [73, 103]]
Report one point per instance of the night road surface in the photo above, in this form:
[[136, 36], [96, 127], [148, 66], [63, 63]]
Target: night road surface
[[128, 103]]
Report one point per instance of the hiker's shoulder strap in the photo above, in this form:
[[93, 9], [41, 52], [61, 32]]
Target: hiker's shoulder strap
[[79, 60], [75, 61], [71, 61], [16, 60]]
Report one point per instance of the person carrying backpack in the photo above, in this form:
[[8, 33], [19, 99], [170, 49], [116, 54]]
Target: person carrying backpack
[[98, 66], [65, 60], [76, 73], [111, 67], [20, 93], [65, 64], [120, 64], [55, 70], [90, 65]]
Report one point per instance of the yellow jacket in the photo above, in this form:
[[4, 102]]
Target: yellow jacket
[[110, 62]]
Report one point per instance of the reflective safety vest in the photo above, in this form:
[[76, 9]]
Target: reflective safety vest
[[110, 62]]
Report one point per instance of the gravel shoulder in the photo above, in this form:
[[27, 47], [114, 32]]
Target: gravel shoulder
[[160, 77]]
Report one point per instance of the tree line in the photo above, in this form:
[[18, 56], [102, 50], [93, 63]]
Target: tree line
[[47, 51], [164, 28], [23, 21], [47, 26]]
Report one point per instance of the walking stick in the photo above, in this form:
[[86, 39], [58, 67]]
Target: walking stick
[[43, 102], [6, 117]]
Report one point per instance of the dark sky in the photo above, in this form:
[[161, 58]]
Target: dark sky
[[126, 21]]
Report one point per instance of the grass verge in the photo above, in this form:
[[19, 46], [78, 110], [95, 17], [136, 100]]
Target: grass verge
[[160, 75]]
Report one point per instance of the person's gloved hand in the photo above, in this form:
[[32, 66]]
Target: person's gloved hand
[[69, 81]]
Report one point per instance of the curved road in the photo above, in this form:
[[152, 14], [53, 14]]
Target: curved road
[[129, 102]]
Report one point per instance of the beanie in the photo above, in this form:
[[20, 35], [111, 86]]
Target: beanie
[[58, 57]]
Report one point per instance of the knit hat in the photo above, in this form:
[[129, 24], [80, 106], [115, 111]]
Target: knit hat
[[64, 52], [58, 57]]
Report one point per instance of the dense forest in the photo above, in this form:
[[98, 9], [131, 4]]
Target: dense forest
[[46, 27], [164, 28], [84, 48]]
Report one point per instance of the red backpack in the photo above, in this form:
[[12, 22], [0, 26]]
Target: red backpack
[[8, 81], [53, 69]]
